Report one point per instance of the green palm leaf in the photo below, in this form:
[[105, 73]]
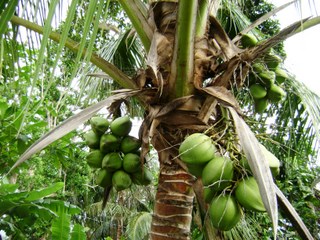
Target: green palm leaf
[[259, 166], [6, 13], [139, 226]]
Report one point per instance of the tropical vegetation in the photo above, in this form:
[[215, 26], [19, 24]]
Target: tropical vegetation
[[176, 68]]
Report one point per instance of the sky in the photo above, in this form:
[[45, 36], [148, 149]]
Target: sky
[[303, 49]]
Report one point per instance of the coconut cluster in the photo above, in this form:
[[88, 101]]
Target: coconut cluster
[[114, 154], [266, 77], [226, 195]]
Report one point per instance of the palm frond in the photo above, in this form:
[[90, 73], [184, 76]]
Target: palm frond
[[311, 101], [233, 19], [261, 20], [7, 10], [139, 225], [293, 215], [126, 53], [259, 166]]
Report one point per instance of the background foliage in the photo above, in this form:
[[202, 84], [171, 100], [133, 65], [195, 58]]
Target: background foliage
[[35, 100]]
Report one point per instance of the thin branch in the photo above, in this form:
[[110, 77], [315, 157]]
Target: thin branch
[[115, 73]]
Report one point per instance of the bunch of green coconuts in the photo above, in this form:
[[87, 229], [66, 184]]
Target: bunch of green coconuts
[[266, 77], [229, 186], [115, 154]]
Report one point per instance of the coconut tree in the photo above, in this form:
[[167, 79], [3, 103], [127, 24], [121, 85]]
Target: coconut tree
[[185, 84]]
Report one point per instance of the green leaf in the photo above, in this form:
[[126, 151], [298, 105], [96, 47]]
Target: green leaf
[[22, 143], [38, 194], [6, 15], [2, 5], [78, 232], [6, 205], [3, 108], [41, 211], [57, 205], [15, 197], [8, 188], [60, 228]]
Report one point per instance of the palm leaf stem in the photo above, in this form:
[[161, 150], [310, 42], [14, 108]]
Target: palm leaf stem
[[138, 16], [182, 63], [202, 18], [308, 24]]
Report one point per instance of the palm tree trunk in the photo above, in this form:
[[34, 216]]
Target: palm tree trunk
[[172, 213], [174, 201]]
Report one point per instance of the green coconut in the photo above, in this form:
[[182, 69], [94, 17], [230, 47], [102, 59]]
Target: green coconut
[[218, 173], [109, 143], [248, 195], [92, 139], [257, 91], [258, 67], [112, 161], [248, 40], [272, 60], [94, 158], [131, 163], [208, 194], [276, 93], [142, 177], [224, 212], [104, 178], [195, 169], [260, 105], [244, 164], [121, 126], [267, 78], [281, 75], [197, 148], [130, 144], [273, 161], [121, 180], [99, 125]]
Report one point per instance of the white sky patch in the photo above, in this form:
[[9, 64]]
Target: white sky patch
[[303, 48]]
